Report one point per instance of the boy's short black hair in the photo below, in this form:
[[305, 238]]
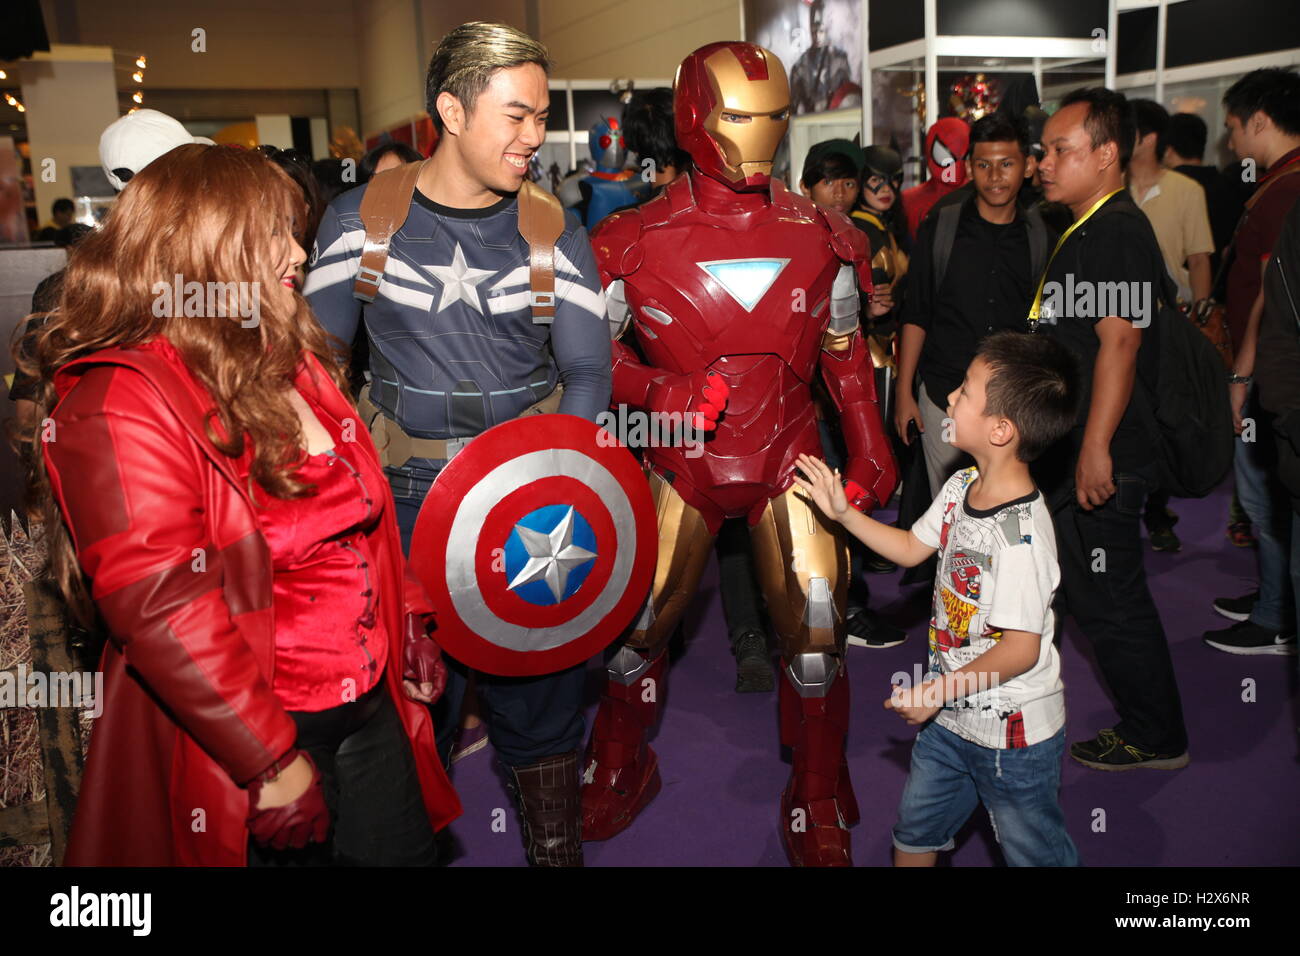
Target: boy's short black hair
[[828, 166], [1186, 135], [1033, 383], [62, 205], [1274, 90], [997, 128], [1109, 120]]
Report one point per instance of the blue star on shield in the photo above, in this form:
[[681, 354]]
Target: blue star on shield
[[549, 554]]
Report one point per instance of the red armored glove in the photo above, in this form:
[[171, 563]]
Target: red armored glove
[[704, 393], [656, 390], [422, 659], [302, 821]]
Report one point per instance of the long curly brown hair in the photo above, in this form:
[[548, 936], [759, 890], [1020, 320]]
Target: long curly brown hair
[[210, 214]]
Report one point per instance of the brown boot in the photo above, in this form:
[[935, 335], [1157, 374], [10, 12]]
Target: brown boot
[[548, 799]]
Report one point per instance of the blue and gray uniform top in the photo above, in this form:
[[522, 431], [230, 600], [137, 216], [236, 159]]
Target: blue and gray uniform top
[[454, 349]]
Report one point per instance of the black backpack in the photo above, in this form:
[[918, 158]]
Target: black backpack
[[1186, 410]]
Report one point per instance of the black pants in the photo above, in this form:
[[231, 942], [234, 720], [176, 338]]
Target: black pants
[[528, 718], [371, 787], [742, 604], [1104, 584]]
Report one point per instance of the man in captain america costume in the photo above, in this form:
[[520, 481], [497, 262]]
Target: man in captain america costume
[[738, 293], [455, 349]]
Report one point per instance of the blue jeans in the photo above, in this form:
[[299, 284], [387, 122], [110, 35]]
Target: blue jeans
[[950, 776], [1268, 506]]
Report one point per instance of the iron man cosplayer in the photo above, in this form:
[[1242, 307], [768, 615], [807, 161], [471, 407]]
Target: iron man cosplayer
[[738, 291]]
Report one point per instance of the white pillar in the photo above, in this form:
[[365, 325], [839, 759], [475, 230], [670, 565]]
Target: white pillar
[[71, 96]]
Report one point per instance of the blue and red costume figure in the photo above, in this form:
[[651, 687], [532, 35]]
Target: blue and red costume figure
[[611, 185], [738, 293]]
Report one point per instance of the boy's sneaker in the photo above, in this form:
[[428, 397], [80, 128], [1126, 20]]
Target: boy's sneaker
[[868, 629], [1236, 609], [1245, 637], [1107, 751]]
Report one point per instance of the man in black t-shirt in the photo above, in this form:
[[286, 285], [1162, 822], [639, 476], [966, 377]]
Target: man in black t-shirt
[[1099, 298], [986, 287]]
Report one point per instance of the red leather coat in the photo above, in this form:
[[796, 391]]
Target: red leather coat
[[165, 528]]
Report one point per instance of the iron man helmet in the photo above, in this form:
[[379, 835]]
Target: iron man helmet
[[731, 108]]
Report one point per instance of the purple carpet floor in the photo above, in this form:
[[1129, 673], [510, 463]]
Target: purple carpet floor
[[723, 768]]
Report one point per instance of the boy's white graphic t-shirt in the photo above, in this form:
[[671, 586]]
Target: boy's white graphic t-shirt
[[997, 571]]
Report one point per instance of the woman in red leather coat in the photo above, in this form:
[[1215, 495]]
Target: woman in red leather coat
[[200, 464]]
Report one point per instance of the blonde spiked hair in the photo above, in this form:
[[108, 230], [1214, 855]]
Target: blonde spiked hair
[[466, 58]]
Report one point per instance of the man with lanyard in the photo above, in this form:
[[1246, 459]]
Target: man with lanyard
[[1096, 479], [1263, 122], [455, 349]]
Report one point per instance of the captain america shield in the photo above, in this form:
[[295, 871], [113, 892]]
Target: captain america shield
[[537, 544]]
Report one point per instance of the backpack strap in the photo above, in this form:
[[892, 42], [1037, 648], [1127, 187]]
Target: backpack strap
[[384, 208], [1167, 291], [387, 203], [541, 223], [945, 234]]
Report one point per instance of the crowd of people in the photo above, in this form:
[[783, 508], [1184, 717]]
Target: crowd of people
[[213, 508]]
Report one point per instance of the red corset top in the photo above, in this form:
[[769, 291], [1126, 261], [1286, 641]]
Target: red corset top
[[330, 645]]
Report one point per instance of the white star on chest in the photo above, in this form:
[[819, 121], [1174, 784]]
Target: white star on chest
[[550, 556], [459, 281]]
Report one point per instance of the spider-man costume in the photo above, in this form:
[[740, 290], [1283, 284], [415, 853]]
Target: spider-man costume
[[738, 292], [946, 144]]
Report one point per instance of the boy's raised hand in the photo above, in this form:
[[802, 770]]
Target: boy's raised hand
[[823, 485]]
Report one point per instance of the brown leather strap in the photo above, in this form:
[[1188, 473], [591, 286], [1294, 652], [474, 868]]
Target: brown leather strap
[[384, 208], [396, 447], [541, 223]]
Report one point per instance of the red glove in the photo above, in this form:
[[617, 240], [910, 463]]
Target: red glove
[[305, 820], [864, 482], [704, 393], [421, 655]]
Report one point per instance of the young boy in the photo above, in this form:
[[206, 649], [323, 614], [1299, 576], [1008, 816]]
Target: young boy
[[995, 675]]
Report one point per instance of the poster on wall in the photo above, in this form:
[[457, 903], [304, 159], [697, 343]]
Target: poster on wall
[[820, 43]]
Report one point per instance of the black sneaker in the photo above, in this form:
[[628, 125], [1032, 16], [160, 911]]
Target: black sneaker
[[1245, 637], [868, 629], [1236, 609], [1160, 530], [1108, 752], [753, 663], [1164, 539]]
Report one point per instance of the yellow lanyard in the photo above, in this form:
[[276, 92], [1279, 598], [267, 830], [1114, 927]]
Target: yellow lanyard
[[1042, 280]]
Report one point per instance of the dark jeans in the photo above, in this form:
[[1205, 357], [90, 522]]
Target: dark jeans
[[1104, 583], [371, 787], [528, 718]]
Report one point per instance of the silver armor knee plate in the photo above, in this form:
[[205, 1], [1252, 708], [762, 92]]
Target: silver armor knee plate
[[813, 674], [627, 665]]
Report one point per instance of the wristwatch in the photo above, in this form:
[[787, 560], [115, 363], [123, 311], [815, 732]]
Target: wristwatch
[[1235, 379]]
